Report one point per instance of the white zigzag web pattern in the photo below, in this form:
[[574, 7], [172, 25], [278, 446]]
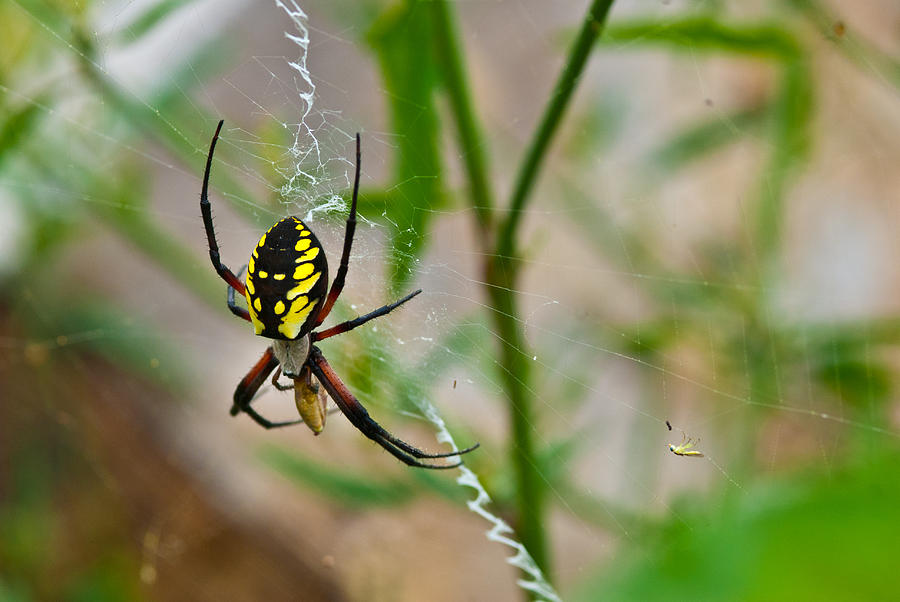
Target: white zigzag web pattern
[[305, 148], [500, 531]]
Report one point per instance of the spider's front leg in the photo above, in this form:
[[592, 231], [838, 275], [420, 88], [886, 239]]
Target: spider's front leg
[[354, 323], [206, 210], [338, 284]]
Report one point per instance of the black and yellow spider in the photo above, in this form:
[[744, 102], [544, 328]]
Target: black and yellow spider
[[285, 288]]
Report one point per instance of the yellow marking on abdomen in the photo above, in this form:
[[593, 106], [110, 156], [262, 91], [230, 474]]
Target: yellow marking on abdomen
[[258, 326], [304, 270], [279, 307], [302, 244], [292, 323], [257, 304], [303, 287], [308, 256], [278, 276], [263, 274], [248, 284]]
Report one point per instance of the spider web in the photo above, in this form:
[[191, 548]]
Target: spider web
[[305, 149], [635, 290]]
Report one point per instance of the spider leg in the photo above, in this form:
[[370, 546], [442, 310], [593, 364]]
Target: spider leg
[[359, 417], [351, 324], [206, 210], [266, 423], [248, 387], [232, 305], [277, 384], [338, 284]]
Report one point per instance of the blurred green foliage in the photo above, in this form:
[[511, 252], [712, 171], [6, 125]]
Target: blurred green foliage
[[401, 40], [813, 535]]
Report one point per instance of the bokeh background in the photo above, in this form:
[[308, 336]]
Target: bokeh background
[[710, 239]]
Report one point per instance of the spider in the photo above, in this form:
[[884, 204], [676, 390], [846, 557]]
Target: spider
[[285, 288]]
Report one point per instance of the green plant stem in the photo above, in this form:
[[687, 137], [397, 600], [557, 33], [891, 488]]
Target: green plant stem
[[514, 366], [502, 278], [578, 55], [790, 132], [515, 371], [471, 141], [500, 270]]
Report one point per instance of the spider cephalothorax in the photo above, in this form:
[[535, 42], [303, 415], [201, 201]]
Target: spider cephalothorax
[[287, 295]]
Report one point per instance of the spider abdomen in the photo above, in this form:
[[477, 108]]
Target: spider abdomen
[[287, 280]]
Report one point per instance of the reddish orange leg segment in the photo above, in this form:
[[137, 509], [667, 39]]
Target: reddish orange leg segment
[[357, 414], [250, 384]]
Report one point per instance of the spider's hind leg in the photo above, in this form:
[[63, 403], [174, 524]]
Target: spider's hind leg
[[357, 414], [250, 384]]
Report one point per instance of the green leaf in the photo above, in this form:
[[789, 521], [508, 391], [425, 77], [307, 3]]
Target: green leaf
[[595, 129], [149, 19], [790, 140], [703, 139], [350, 489], [823, 537], [18, 125], [174, 99], [129, 218], [401, 39], [79, 325], [862, 383], [11, 593], [109, 579], [704, 34]]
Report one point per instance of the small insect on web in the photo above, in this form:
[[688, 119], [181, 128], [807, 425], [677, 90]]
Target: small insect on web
[[684, 448], [287, 295]]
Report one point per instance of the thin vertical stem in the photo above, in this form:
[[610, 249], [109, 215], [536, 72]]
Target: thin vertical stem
[[452, 71], [502, 278], [500, 269], [565, 85]]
